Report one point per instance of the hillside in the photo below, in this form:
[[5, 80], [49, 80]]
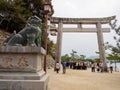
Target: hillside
[[3, 35]]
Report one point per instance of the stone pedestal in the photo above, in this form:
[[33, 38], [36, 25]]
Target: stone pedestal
[[21, 68]]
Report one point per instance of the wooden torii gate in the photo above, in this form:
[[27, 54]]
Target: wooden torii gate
[[82, 21]]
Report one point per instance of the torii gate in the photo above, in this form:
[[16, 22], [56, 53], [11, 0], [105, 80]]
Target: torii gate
[[80, 21]]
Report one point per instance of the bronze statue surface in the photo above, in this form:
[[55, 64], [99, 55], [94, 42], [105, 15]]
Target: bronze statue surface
[[30, 35]]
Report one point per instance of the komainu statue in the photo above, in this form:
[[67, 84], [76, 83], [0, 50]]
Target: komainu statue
[[30, 35]]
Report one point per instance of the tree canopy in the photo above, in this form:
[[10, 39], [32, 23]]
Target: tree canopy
[[14, 14], [65, 58], [115, 48], [113, 57]]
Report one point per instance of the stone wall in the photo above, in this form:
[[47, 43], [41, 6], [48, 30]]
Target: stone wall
[[50, 62]]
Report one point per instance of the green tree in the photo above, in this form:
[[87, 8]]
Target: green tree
[[115, 48], [73, 54], [51, 48], [89, 60], [65, 58], [82, 57], [113, 57], [97, 60], [14, 13]]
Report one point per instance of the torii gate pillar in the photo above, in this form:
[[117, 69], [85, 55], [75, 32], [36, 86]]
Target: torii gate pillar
[[101, 46], [59, 42]]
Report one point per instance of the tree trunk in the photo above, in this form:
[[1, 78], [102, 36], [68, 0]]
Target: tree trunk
[[115, 66]]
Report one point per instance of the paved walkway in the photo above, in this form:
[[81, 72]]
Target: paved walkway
[[83, 80]]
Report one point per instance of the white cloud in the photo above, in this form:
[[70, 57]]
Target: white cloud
[[84, 43], [85, 8]]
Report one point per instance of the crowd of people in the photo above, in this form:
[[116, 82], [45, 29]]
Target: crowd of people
[[81, 66], [71, 65], [78, 65], [99, 67]]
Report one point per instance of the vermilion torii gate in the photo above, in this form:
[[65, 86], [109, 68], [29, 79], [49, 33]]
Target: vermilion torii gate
[[82, 21]]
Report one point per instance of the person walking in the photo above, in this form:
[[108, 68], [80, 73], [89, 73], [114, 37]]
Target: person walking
[[93, 67], [101, 67], [98, 67], [64, 67], [57, 67], [111, 68]]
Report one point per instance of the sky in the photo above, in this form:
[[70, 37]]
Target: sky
[[84, 43]]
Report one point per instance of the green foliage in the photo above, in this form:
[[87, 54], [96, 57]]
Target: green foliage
[[75, 57], [73, 54], [115, 48], [113, 57], [89, 60], [14, 13], [51, 48], [97, 60], [65, 58], [82, 57]]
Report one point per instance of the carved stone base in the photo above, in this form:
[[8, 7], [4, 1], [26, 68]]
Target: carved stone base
[[23, 83], [21, 68]]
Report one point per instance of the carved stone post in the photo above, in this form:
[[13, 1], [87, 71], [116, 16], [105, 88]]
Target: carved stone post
[[101, 46]]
